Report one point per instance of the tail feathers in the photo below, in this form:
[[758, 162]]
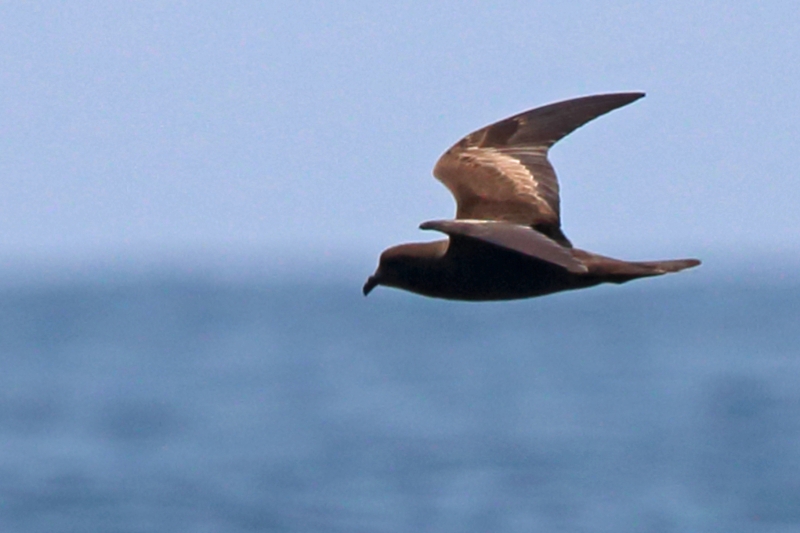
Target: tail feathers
[[674, 265], [616, 271]]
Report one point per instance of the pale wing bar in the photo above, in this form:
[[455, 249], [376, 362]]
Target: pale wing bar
[[501, 172], [502, 177]]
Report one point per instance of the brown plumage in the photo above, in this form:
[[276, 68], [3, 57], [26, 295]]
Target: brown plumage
[[506, 241]]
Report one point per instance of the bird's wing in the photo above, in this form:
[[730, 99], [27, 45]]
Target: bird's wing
[[522, 239], [501, 172]]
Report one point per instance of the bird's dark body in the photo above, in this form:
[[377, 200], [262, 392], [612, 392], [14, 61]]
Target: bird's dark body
[[466, 269], [482, 272], [506, 241]]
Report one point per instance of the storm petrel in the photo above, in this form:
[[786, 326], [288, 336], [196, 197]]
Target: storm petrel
[[506, 241]]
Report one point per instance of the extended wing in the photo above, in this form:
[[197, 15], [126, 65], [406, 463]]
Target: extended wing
[[501, 172], [522, 239]]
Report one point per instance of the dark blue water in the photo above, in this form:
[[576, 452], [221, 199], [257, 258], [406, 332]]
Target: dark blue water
[[157, 405]]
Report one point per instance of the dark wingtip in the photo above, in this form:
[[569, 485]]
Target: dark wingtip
[[430, 224], [637, 96], [631, 96], [611, 101], [550, 123]]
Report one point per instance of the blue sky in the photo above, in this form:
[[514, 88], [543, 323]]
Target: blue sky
[[140, 129]]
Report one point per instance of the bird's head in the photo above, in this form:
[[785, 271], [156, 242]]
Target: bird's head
[[405, 266], [390, 269]]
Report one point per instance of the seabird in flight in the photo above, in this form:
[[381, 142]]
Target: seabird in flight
[[506, 241]]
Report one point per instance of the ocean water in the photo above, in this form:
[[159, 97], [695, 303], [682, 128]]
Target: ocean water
[[156, 404]]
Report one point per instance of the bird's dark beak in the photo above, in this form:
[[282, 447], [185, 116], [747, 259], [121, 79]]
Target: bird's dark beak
[[371, 283]]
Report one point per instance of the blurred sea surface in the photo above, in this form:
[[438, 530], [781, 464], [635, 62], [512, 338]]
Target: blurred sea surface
[[164, 404]]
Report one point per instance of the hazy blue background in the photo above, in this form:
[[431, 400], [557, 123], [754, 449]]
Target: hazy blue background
[[175, 405], [191, 194], [145, 130]]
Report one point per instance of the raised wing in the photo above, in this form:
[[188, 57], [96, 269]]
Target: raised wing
[[522, 239], [501, 172]]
